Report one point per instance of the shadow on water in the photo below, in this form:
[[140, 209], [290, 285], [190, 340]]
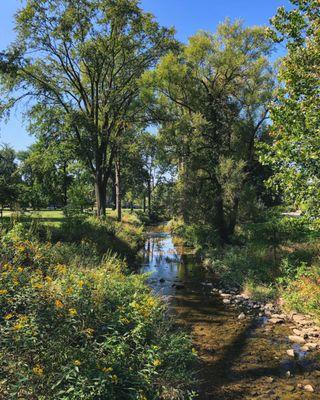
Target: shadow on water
[[239, 359]]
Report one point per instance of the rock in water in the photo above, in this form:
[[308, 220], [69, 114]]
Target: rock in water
[[291, 353], [308, 388], [297, 339], [242, 316]]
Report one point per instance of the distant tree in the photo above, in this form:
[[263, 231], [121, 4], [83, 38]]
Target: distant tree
[[80, 63], [294, 152], [45, 175], [9, 177]]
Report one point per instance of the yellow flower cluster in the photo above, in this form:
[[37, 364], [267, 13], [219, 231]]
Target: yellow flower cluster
[[89, 332], [61, 269], [58, 303], [3, 291], [107, 370], [156, 363], [38, 370], [73, 312], [77, 363], [21, 323]]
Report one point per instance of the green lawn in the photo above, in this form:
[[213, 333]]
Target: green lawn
[[55, 217]]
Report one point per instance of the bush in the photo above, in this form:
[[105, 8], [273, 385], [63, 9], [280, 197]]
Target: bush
[[71, 331]]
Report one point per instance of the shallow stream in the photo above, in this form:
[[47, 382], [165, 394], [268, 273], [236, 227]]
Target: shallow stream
[[239, 359]]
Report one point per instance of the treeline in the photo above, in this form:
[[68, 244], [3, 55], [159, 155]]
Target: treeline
[[48, 175], [98, 74]]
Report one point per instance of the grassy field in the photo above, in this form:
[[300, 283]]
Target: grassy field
[[55, 217]]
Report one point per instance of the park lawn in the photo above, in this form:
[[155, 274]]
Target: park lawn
[[56, 217]]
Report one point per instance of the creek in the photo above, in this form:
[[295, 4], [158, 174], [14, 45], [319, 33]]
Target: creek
[[239, 359]]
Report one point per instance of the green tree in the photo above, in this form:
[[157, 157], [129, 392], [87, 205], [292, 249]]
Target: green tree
[[294, 152], [80, 62], [213, 95], [45, 175], [9, 177]]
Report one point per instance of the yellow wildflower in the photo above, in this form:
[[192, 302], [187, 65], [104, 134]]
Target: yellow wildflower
[[73, 312], [58, 304], [156, 363], [48, 279], [8, 316], [62, 269], [124, 320], [107, 370], [114, 379], [3, 291], [194, 351], [38, 370], [80, 284], [20, 269], [69, 290], [89, 331], [37, 286], [77, 362], [18, 326]]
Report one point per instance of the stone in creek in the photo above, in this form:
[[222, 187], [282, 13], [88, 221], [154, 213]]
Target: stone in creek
[[242, 316], [296, 339], [301, 319], [226, 301], [311, 346], [308, 388], [225, 295], [270, 379], [162, 280], [291, 353], [275, 320]]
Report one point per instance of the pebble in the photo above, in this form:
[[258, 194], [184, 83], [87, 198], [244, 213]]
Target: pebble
[[308, 388], [226, 301], [296, 339], [242, 316], [291, 353]]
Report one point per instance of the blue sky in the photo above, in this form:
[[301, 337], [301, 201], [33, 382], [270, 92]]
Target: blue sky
[[188, 16]]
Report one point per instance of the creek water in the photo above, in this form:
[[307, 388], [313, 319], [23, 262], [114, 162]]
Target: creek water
[[239, 359]]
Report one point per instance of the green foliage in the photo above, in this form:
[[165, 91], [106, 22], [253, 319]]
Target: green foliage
[[72, 331], [294, 150], [213, 94], [9, 178], [81, 65]]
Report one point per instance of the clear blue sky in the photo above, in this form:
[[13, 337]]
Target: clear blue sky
[[188, 16]]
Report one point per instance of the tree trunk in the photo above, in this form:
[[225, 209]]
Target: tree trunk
[[118, 189], [149, 195], [220, 222], [65, 184], [144, 203], [101, 195]]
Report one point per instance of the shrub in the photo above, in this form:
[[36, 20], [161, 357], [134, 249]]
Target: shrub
[[71, 331]]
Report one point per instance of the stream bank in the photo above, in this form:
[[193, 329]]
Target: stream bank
[[240, 358]]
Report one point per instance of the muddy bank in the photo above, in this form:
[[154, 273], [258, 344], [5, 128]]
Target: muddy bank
[[240, 358]]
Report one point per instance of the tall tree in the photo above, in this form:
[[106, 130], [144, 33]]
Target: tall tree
[[215, 93], [80, 63], [294, 152]]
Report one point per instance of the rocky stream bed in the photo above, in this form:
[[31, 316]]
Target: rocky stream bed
[[247, 350]]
